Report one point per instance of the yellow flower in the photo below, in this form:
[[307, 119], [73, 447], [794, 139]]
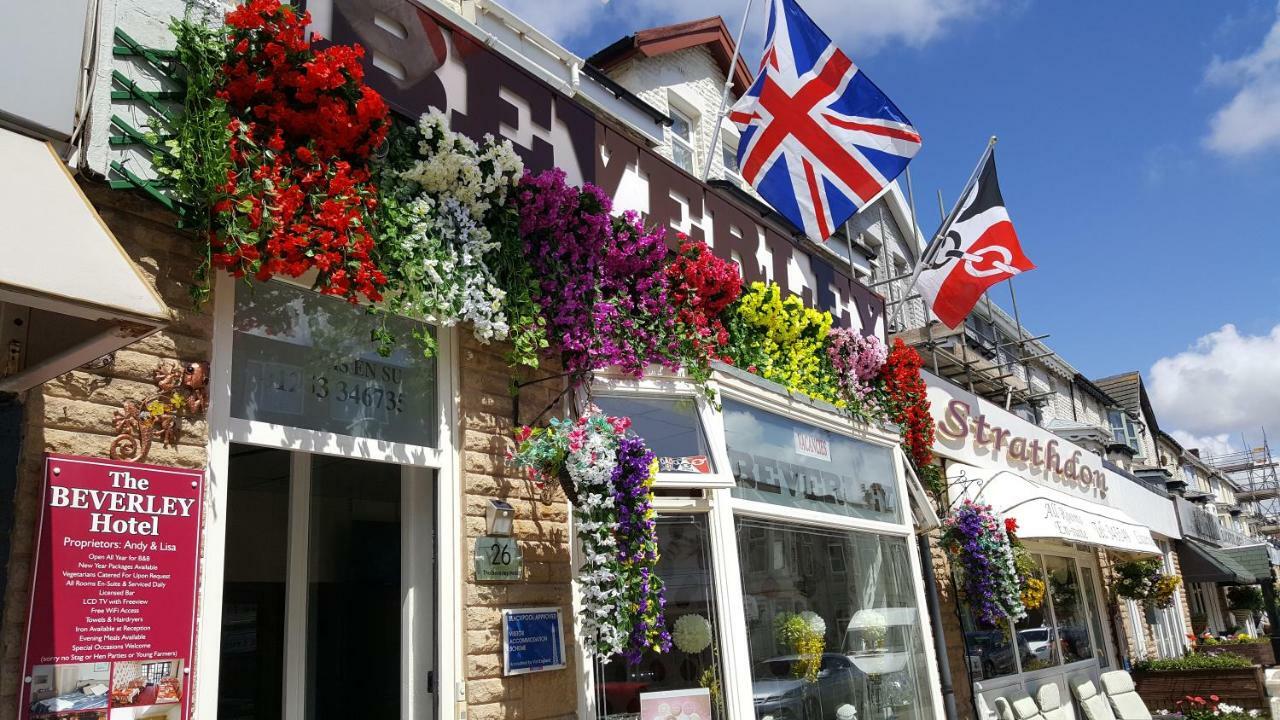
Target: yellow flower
[[157, 408]]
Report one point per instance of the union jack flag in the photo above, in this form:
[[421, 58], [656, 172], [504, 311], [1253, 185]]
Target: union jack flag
[[818, 138]]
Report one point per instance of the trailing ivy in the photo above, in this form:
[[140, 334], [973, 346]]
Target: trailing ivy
[[199, 150]]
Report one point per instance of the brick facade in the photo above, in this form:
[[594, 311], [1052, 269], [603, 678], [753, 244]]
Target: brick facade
[[541, 527], [73, 413]]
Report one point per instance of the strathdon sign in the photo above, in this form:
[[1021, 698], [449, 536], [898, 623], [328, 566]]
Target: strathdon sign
[[976, 432]]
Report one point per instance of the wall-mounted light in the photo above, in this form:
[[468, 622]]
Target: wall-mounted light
[[499, 517]]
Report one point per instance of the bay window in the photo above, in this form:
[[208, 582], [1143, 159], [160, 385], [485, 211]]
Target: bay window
[[793, 586]]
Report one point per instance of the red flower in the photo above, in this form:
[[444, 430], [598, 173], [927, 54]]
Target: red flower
[[308, 202], [1011, 526]]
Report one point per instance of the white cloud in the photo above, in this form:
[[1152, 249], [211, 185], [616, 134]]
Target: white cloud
[[1209, 445], [1250, 121], [860, 27], [1223, 385]]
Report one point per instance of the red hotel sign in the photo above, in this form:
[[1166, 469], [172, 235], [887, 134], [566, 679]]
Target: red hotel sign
[[112, 617]]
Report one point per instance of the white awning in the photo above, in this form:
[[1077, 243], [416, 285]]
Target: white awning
[[59, 255], [68, 292], [1049, 513]]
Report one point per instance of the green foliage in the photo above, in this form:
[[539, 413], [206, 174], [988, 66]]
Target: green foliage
[[1247, 598], [1196, 661], [199, 151]]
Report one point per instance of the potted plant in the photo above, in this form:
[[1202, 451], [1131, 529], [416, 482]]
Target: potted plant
[[872, 642], [1234, 678]]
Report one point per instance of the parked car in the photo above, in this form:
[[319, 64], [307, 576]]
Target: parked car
[[994, 652], [780, 691], [1037, 644]]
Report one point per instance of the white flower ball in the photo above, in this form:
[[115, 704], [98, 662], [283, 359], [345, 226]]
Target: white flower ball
[[815, 622], [846, 712], [692, 633]]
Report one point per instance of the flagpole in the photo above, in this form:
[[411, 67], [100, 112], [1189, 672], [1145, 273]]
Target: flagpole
[[724, 94], [915, 272]]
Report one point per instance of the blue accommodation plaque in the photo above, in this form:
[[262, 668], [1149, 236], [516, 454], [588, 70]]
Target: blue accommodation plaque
[[532, 640]]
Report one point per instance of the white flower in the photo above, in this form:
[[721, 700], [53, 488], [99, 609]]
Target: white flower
[[692, 633], [815, 622]]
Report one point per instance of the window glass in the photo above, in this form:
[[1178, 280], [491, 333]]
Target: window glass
[[1067, 598], [681, 134], [1095, 620], [305, 360], [1037, 637], [824, 644], [354, 590], [729, 155], [784, 462], [694, 661], [670, 427], [251, 668]]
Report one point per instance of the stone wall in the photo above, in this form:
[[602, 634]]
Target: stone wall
[[73, 413], [541, 527]]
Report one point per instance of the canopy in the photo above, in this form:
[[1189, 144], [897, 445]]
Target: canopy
[[61, 257], [68, 291], [1204, 563], [1047, 512]]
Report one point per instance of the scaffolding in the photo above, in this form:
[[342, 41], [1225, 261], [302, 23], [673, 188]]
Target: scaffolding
[[1254, 473]]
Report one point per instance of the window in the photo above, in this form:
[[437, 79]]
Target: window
[[155, 672], [1063, 630], [784, 462], [694, 660], [1124, 430], [682, 131], [729, 156], [824, 646], [670, 427]]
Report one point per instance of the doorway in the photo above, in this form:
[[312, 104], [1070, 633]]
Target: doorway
[[328, 592]]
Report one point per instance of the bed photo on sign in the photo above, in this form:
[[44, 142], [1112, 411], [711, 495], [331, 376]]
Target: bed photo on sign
[[146, 682], [67, 688]]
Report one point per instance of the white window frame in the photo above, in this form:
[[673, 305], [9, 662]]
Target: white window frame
[[675, 107], [723, 510], [729, 143], [444, 459]]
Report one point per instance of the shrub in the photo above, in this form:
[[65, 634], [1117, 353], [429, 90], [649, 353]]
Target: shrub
[[1196, 661]]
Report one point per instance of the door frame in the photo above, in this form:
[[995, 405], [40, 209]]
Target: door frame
[[445, 509]]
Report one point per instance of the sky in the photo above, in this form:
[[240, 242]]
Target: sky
[[1139, 156]]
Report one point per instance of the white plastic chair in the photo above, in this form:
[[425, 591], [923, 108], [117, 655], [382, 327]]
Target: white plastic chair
[[1093, 703], [1003, 710], [1049, 698], [1024, 708], [1124, 697]]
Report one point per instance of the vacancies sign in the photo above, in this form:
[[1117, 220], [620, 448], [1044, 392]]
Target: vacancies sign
[[113, 602]]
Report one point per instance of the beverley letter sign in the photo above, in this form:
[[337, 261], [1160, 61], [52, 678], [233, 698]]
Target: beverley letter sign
[[112, 616]]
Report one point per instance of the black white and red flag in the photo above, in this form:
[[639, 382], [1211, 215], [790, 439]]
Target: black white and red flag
[[975, 248]]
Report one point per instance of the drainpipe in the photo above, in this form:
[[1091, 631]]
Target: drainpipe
[[935, 620], [1273, 614]]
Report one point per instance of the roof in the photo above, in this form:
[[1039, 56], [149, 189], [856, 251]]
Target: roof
[[709, 32], [1128, 390]]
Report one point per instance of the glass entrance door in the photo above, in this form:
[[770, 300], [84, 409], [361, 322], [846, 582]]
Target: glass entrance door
[[327, 597]]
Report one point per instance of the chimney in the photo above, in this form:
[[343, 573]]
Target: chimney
[[1195, 451]]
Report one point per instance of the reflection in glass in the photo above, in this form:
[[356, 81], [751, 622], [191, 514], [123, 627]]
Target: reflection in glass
[[1068, 609], [824, 641], [353, 608], [694, 660], [251, 671], [305, 360], [671, 428], [784, 462], [1091, 606], [1037, 637]]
